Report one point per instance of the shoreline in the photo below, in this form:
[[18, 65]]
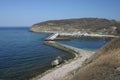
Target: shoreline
[[86, 35], [78, 34], [61, 70]]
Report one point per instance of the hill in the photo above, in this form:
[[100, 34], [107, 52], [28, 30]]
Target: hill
[[104, 65], [90, 25]]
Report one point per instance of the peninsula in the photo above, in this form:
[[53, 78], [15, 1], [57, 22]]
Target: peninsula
[[82, 25], [102, 65]]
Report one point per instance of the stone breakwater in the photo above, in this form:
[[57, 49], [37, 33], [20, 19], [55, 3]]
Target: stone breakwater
[[80, 56], [59, 73], [63, 47]]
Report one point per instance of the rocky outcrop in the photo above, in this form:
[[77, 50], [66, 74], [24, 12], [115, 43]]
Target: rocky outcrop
[[57, 61], [90, 25]]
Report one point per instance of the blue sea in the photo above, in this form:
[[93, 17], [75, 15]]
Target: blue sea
[[87, 43], [24, 55]]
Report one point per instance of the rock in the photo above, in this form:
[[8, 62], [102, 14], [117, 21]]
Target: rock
[[57, 61], [60, 59], [118, 69]]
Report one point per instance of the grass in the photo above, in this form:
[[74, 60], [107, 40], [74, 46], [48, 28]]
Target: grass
[[103, 65]]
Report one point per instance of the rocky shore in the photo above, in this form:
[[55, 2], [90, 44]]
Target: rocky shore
[[88, 27], [63, 70]]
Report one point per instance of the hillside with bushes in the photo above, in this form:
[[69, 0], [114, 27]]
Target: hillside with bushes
[[89, 25], [104, 65]]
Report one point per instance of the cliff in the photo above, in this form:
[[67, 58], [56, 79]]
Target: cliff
[[90, 25]]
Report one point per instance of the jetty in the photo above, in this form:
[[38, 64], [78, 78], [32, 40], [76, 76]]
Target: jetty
[[81, 55], [66, 36], [54, 37], [63, 70]]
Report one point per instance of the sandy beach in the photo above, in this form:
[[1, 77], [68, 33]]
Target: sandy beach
[[62, 71]]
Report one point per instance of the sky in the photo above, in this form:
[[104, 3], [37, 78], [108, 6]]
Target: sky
[[29, 12]]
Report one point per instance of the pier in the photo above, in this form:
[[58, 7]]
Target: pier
[[54, 37], [66, 36], [81, 55], [60, 72]]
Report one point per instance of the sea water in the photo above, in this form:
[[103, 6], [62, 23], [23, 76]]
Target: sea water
[[24, 55], [87, 43]]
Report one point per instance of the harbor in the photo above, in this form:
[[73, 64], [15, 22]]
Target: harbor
[[66, 36], [80, 56], [62, 70], [37, 56]]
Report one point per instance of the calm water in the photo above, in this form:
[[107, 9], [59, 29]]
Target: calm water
[[23, 54], [87, 43]]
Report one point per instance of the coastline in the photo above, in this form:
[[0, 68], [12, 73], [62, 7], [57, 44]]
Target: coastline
[[61, 70], [78, 34]]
